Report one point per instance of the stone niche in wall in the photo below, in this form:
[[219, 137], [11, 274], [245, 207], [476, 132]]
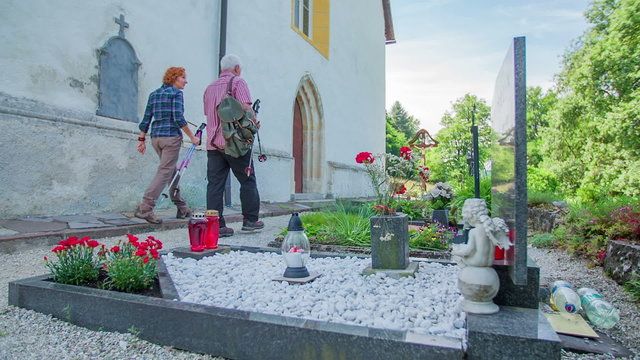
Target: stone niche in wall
[[118, 72]]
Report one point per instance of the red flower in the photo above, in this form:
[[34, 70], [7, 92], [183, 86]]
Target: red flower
[[365, 158], [85, 239], [57, 249], [132, 238], [399, 189], [92, 244], [141, 246], [115, 249], [405, 152], [141, 253], [145, 260], [45, 259], [154, 253]]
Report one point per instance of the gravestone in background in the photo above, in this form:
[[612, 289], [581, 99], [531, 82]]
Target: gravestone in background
[[118, 86], [509, 159]]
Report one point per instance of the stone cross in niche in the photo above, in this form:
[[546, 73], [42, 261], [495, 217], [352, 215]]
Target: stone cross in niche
[[123, 25]]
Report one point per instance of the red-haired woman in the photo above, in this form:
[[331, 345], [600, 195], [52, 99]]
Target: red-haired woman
[[166, 107]]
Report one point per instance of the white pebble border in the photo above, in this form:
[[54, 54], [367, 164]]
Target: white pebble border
[[426, 304]]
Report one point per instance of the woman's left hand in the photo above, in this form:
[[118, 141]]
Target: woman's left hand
[[142, 146]]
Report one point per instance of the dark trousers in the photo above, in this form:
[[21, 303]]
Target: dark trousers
[[218, 165]]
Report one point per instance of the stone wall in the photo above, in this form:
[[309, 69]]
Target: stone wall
[[622, 260], [545, 219]]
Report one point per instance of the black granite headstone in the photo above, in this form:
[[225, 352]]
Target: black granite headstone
[[509, 160], [118, 86]]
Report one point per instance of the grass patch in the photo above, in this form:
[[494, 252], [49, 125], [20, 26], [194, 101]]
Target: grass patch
[[546, 240], [633, 288]]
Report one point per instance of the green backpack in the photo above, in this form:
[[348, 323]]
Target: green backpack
[[237, 129]]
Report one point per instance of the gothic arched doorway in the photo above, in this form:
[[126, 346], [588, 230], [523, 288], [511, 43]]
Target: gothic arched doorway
[[308, 138]]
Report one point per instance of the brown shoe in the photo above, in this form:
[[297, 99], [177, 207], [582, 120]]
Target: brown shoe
[[148, 215], [226, 231], [184, 213], [248, 225]]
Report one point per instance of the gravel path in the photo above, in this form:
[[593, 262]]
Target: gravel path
[[558, 265], [30, 335]]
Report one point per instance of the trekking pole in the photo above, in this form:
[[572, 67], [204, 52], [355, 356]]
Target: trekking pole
[[185, 162], [256, 108]]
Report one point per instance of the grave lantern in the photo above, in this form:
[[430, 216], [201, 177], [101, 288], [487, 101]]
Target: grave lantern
[[296, 249]]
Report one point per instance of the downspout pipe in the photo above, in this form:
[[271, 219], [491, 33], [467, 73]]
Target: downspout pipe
[[222, 50]]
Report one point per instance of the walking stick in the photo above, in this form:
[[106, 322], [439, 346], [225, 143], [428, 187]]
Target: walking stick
[[185, 163]]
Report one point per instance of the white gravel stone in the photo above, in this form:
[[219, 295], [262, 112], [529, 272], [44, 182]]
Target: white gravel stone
[[244, 281]]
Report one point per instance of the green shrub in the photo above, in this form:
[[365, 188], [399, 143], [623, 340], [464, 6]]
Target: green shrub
[[589, 226], [468, 192], [415, 209], [541, 180], [546, 240]]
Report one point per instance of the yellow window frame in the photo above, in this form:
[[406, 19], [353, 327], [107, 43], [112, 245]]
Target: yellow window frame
[[319, 25]]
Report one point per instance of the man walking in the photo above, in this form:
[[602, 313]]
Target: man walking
[[219, 163]]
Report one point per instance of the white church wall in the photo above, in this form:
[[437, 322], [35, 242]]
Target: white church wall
[[350, 83], [50, 47], [77, 162], [72, 161]]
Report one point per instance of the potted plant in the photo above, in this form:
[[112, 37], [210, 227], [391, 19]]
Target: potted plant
[[440, 197], [389, 175]]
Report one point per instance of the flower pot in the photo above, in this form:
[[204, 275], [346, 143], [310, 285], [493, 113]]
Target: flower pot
[[441, 216], [390, 241]]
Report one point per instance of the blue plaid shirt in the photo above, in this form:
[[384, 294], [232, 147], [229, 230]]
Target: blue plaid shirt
[[166, 107]]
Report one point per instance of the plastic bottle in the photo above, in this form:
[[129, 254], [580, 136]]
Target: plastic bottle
[[564, 298], [213, 229], [197, 231], [599, 311]]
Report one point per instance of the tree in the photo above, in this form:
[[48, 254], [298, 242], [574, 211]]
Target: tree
[[539, 106], [449, 160], [394, 138], [593, 139], [403, 122]]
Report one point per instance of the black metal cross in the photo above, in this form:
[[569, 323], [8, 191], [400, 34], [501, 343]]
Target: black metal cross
[[120, 21]]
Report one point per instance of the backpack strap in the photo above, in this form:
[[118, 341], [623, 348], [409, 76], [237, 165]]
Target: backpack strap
[[230, 86]]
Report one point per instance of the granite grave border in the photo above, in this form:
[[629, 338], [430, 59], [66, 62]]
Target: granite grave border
[[241, 334]]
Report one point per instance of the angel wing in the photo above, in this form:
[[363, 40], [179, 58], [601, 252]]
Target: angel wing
[[500, 236]]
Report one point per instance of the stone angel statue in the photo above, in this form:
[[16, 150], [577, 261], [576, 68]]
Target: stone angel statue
[[478, 281]]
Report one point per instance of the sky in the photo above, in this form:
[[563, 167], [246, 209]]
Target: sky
[[448, 48]]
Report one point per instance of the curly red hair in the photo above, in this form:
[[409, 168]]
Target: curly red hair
[[172, 74]]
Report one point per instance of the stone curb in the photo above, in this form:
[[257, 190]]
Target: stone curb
[[23, 241]]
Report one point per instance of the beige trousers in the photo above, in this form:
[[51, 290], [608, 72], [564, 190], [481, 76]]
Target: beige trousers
[[168, 149]]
